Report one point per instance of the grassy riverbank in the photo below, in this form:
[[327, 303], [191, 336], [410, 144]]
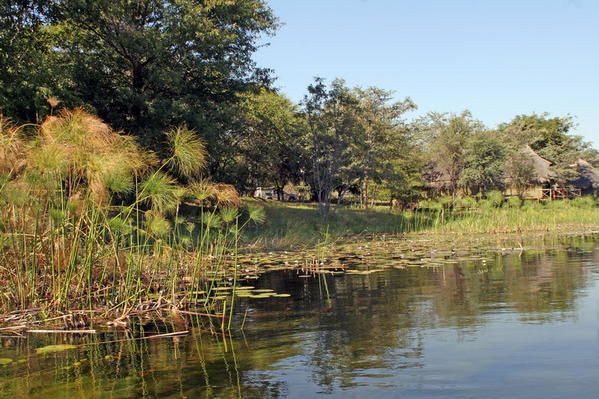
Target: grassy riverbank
[[295, 225]]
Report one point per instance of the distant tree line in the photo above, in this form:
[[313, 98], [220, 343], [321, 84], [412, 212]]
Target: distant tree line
[[145, 66]]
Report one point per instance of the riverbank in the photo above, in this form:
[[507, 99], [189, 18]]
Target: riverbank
[[293, 225], [180, 284]]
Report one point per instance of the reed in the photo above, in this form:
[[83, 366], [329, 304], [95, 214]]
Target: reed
[[299, 225], [91, 221]]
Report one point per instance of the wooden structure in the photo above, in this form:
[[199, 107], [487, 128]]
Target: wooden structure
[[557, 193]]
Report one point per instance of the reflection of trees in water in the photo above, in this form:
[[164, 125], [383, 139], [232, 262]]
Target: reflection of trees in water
[[536, 285], [377, 321]]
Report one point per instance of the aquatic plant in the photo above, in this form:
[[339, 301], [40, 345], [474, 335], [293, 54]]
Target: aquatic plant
[[91, 222]]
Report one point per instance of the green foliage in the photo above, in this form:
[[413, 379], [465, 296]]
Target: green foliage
[[228, 214], [29, 70], [446, 201], [160, 191], [514, 202], [551, 138], [158, 225], [520, 171], [430, 204], [484, 161], [256, 214], [584, 202], [467, 202], [446, 138], [188, 151], [356, 138], [270, 141], [84, 208], [147, 66], [374, 152], [495, 198], [143, 66]]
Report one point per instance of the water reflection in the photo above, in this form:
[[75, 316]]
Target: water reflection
[[491, 326]]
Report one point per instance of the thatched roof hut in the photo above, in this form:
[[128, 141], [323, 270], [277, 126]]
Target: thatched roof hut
[[588, 177], [542, 167]]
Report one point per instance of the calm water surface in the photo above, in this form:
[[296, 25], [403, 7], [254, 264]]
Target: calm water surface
[[513, 325]]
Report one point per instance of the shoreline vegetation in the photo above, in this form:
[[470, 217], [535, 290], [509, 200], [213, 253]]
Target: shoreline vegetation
[[289, 225], [92, 223], [98, 232]]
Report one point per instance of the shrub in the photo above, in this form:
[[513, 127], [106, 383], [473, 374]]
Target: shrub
[[429, 204], [468, 202], [445, 201], [584, 202], [514, 202], [495, 199]]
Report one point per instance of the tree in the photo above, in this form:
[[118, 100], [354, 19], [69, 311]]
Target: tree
[[331, 115], [270, 140], [29, 73], [377, 143], [551, 138], [446, 137], [141, 65], [484, 161], [520, 172]]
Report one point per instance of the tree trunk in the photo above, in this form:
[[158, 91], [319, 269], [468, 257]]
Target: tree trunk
[[365, 192]]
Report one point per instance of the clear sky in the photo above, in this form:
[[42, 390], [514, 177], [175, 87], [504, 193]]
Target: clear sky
[[497, 58]]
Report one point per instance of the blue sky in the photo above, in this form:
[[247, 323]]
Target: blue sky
[[496, 58]]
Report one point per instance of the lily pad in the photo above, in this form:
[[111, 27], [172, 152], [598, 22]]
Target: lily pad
[[54, 348], [262, 296], [4, 361]]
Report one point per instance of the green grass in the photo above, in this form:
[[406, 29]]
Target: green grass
[[556, 216], [291, 225]]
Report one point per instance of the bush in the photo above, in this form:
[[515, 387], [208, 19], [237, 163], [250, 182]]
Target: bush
[[495, 199], [446, 201], [468, 202], [584, 202], [429, 204], [514, 202]]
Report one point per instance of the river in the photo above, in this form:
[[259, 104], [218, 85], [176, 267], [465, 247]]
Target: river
[[519, 324]]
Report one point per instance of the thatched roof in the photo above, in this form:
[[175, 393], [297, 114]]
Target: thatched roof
[[542, 167], [438, 179], [588, 176]]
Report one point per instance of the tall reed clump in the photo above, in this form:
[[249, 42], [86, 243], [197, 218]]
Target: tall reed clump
[[89, 220]]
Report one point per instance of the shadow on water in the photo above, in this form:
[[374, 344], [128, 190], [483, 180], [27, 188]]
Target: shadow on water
[[490, 326]]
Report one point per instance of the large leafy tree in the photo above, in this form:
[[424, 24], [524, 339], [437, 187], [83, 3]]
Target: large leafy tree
[[484, 163], [28, 70], [378, 140], [551, 138], [141, 65], [145, 65], [446, 137], [332, 120], [270, 141]]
